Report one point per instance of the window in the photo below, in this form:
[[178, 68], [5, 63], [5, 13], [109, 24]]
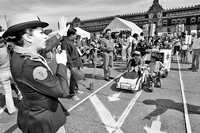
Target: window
[[173, 21], [164, 22], [183, 21], [193, 20], [198, 19], [178, 21]]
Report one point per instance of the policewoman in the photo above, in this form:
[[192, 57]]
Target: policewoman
[[40, 110]]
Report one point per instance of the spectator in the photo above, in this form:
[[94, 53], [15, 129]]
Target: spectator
[[108, 48], [196, 52], [74, 62], [5, 76], [125, 44]]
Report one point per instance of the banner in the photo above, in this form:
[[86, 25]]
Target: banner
[[167, 58], [180, 28], [188, 39], [146, 29], [3, 23], [152, 29]]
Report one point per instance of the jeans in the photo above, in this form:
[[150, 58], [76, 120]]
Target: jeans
[[195, 59]]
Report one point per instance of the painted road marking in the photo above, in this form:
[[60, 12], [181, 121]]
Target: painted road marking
[[114, 97], [155, 127], [105, 115], [79, 103], [2, 109], [127, 110], [76, 105], [187, 120]]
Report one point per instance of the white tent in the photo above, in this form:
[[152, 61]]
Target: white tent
[[3, 23], [82, 33], [119, 24]]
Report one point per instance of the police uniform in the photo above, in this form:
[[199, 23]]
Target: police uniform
[[40, 110], [108, 48]]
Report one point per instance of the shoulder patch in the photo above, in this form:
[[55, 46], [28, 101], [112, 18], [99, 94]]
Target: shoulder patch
[[40, 73]]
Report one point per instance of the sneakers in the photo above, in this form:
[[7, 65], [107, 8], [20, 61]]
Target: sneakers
[[106, 79], [111, 77], [80, 92], [75, 98]]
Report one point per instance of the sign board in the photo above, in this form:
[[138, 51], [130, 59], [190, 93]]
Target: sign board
[[146, 29], [152, 29], [167, 58], [180, 28], [188, 39]]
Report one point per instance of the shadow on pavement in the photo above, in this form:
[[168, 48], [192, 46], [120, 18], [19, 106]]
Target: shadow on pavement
[[162, 105], [91, 76], [182, 69], [88, 65], [122, 69]]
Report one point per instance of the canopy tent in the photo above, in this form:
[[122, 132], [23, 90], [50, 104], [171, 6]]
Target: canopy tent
[[119, 24], [3, 22], [82, 33]]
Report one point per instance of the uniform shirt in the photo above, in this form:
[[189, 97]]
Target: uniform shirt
[[40, 110], [108, 45]]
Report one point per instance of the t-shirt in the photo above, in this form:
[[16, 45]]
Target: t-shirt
[[108, 44], [196, 43]]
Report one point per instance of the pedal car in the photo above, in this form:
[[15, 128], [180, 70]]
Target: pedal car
[[164, 56], [130, 81]]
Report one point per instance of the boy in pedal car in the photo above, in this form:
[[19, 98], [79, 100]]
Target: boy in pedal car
[[155, 68], [135, 62]]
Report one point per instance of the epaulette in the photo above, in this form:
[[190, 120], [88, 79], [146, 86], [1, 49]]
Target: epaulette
[[31, 57], [36, 58]]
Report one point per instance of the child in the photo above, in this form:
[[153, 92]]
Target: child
[[154, 70], [135, 62]]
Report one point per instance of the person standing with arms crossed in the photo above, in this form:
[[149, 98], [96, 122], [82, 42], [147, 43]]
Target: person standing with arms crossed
[[108, 48]]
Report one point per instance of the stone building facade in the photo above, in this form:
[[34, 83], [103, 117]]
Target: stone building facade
[[166, 20]]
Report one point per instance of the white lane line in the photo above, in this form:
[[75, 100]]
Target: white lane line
[[104, 114], [76, 105], [187, 120], [127, 110]]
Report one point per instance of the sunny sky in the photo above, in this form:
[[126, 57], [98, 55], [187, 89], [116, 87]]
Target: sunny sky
[[51, 10]]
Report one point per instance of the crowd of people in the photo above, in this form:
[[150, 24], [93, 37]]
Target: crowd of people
[[28, 64]]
